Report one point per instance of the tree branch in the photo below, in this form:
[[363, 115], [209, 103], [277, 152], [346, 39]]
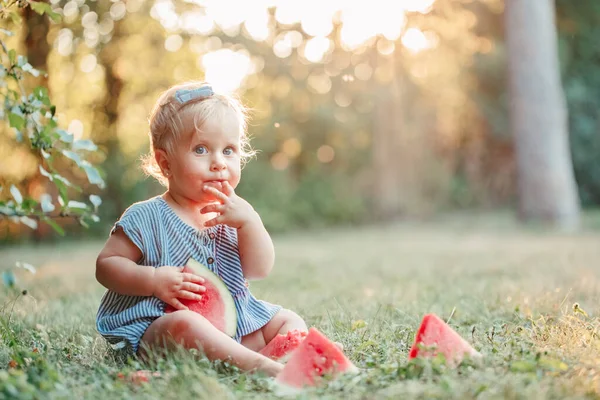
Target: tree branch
[[40, 216]]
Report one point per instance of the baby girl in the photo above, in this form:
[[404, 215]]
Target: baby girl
[[198, 143]]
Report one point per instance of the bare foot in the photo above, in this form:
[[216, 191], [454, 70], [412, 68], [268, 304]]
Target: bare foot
[[270, 367], [339, 345]]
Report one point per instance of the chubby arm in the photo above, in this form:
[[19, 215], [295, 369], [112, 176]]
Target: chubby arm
[[117, 268], [257, 254]]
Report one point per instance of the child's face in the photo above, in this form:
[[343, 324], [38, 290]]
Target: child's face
[[207, 156]]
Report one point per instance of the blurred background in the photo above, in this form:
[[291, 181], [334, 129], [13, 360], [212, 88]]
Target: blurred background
[[362, 111]]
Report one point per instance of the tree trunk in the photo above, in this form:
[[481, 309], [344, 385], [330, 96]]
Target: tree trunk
[[36, 29], [538, 115], [105, 123], [387, 137], [35, 33]]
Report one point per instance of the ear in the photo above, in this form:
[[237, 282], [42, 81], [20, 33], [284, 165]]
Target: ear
[[162, 160]]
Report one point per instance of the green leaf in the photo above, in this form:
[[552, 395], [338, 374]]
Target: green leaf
[[62, 190], [8, 278], [95, 200], [54, 16], [40, 8], [12, 56], [58, 177], [46, 173], [46, 203], [65, 136], [73, 156], [94, 176], [6, 210], [41, 93], [30, 222], [16, 17], [84, 144], [16, 194], [57, 228], [21, 61], [16, 121], [77, 204], [29, 68]]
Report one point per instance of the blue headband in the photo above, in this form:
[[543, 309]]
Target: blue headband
[[185, 95]]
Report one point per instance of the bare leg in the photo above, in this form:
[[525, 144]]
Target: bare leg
[[193, 331], [281, 323]]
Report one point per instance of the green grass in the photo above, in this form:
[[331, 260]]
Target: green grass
[[513, 292]]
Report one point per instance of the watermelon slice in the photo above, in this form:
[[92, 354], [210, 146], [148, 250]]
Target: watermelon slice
[[435, 336], [316, 356], [281, 346], [216, 305]]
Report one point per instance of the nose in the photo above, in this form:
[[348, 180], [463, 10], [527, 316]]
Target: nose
[[218, 164]]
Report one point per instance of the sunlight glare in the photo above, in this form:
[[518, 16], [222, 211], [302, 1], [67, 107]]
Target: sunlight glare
[[420, 6], [197, 22], [316, 48], [283, 46], [317, 24], [414, 40], [164, 12], [361, 21], [287, 13], [226, 69], [258, 26], [76, 128], [228, 13]]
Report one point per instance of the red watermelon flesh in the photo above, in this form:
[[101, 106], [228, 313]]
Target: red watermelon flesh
[[435, 336], [316, 356], [281, 346], [216, 305]]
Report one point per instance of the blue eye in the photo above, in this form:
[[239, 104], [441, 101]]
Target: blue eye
[[201, 150], [228, 151]]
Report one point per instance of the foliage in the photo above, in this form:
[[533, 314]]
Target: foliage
[[579, 28], [32, 117]]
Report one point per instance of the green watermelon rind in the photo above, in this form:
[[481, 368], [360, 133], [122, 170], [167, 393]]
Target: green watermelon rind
[[203, 271]]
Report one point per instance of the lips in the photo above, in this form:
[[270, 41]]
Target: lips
[[217, 184]]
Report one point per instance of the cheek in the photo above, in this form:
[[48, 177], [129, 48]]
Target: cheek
[[235, 172]]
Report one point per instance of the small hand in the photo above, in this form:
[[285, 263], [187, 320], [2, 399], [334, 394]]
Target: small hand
[[171, 284], [232, 209]]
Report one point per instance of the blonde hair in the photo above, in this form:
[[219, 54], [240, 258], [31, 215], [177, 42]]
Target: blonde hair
[[170, 120]]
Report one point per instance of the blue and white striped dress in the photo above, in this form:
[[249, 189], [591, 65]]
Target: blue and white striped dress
[[164, 239]]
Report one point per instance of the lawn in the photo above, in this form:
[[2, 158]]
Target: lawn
[[509, 291]]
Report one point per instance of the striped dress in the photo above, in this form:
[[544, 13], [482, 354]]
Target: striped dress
[[164, 239]]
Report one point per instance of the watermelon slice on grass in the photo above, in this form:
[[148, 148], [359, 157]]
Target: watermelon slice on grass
[[313, 359], [216, 305], [280, 348], [435, 336]]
